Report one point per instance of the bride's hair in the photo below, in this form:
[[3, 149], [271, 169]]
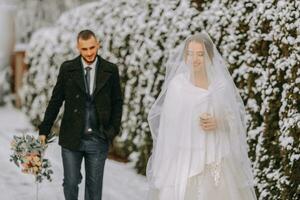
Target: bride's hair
[[200, 38]]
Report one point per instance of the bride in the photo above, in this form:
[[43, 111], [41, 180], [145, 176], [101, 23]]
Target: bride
[[198, 129]]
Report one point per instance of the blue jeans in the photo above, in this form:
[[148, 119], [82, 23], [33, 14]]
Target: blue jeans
[[94, 150]]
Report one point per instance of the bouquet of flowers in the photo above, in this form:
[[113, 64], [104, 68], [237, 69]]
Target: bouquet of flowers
[[28, 153]]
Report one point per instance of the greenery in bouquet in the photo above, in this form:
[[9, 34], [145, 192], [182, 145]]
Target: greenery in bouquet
[[28, 154]]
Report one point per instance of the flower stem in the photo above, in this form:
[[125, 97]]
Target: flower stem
[[37, 190]]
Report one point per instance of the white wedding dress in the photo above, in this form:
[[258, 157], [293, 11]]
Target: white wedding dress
[[188, 163]]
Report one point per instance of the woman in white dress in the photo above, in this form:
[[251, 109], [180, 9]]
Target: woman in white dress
[[198, 129]]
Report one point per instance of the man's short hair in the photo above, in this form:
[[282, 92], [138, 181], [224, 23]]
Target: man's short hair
[[85, 35]]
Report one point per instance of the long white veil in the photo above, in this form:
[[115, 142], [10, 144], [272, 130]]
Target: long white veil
[[180, 149]]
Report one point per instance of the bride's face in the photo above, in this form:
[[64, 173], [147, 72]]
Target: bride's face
[[195, 55]]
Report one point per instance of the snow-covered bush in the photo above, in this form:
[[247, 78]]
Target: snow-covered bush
[[259, 39], [6, 48], [261, 42], [5, 96], [34, 14], [137, 36]]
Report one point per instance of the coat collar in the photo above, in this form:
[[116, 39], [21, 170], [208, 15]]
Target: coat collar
[[103, 72]]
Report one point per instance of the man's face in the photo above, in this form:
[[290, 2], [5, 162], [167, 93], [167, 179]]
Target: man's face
[[88, 49]]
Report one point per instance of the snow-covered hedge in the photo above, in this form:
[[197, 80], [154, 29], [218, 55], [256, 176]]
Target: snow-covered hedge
[[259, 39], [137, 36], [261, 42], [5, 91], [32, 15], [6, 48]]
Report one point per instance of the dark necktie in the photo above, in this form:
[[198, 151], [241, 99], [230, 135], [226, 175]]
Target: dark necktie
[[88, 78]]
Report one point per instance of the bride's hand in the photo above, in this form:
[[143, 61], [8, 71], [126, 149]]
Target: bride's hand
[[208, 123]]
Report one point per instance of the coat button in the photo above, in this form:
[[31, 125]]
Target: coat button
[[75, 110], [77, 96]]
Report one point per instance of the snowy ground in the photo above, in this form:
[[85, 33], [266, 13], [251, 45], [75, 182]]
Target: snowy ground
[[120, 180]]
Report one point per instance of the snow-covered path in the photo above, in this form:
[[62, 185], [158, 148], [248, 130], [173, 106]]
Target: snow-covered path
[[120, 180]]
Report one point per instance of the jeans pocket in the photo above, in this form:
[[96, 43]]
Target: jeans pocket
[[99, 140]]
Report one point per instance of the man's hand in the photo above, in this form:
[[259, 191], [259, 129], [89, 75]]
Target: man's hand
[[42, 139], [207, 122]]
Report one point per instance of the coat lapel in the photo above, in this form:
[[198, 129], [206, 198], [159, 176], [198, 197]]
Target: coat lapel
[[102, 75], [78, 74]]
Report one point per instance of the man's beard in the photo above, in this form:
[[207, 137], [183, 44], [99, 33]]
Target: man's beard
[[89, 62]]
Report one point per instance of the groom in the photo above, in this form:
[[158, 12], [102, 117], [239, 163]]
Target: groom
[[89, 86]]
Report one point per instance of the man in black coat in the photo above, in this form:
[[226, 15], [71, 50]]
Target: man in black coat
[[89, 86]]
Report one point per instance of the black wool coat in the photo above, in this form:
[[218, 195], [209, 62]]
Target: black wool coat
[[70, 89]]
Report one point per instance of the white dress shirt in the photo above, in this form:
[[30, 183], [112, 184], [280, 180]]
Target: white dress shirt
[[92, 72]]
